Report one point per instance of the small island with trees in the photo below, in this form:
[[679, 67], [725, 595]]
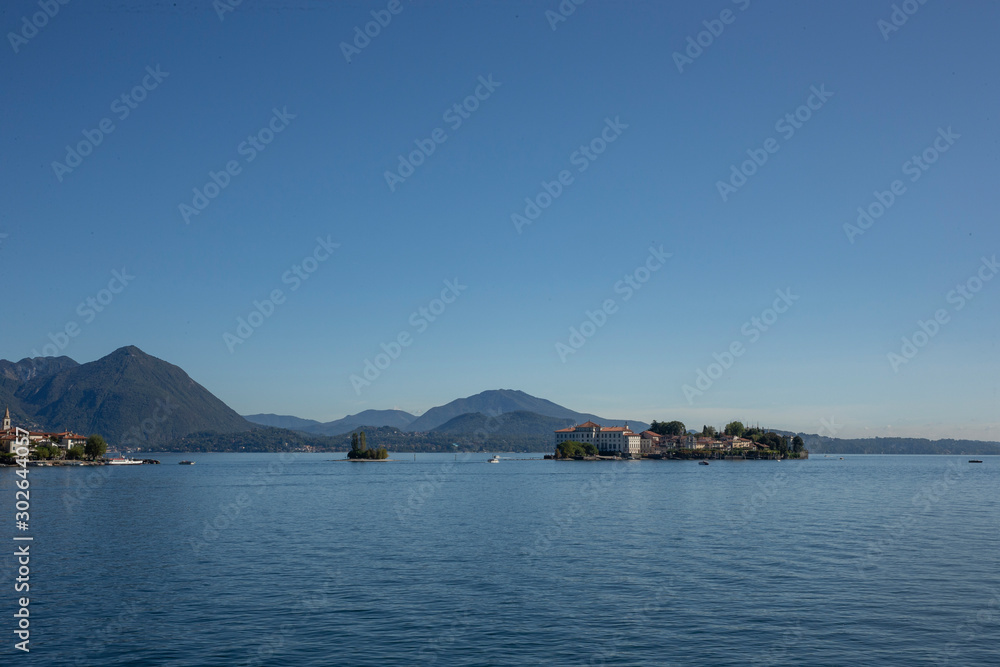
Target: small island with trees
[[360, 452], [673, 440]]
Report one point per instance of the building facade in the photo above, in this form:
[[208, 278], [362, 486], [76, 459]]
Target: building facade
[[609, 440]]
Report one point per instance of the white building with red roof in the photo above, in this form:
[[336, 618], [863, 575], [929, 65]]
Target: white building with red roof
[[8, 437], [609, 440]]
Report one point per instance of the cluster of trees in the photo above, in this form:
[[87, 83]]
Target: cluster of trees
[[359, 449], [48, 452], [570, 448], [95, 448], [668, 428]]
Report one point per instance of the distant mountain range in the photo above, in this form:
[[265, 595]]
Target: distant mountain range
[[492, 402], [282, 421], [395, 418], [137, 400], [817, 444]]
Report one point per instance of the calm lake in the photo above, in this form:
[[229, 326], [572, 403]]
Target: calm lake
[[261, 559]]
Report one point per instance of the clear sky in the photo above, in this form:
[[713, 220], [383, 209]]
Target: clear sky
[[644, 132]]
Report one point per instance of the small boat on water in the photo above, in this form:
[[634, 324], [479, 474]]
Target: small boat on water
[[703, 463], [495, 459], [122, 461], [186, 463], [974, 461]]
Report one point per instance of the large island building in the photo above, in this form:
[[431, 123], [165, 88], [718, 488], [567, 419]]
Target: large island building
[[609, 440]]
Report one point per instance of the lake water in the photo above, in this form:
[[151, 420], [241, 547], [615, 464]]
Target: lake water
[[258, 559]]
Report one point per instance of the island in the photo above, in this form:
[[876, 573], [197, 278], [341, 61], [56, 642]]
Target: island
[[360, 452], [672, 440]]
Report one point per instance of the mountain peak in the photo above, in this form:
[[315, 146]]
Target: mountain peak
[[128, 350], [130, 397], [503, 401]]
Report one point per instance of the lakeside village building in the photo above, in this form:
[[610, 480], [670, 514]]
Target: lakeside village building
[[622, 441], [8, 437]]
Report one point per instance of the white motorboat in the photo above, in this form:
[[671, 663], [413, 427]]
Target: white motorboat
[[122, 461], [495, 459]]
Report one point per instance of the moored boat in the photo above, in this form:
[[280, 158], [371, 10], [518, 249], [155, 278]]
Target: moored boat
[[122, 461], [187, 463]]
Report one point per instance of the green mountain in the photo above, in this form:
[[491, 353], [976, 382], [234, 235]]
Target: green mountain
[[517, 423], [14, 376], [130, 397], [281, 421], [502, 401], [260, 439]]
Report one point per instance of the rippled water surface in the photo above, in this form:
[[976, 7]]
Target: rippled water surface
[[254, 559]]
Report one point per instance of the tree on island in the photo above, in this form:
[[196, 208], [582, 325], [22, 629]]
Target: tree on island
[[773, 441], [709, 431], [735, 428], [570, 448], [668, 428], [770, 440], [96, 447], [359, 449], [76, 452], [798, 444]]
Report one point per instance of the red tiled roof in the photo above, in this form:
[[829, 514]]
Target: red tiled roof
[[565, 430], [589, 425]]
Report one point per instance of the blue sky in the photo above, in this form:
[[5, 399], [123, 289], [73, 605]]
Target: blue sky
[[343, 125]]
